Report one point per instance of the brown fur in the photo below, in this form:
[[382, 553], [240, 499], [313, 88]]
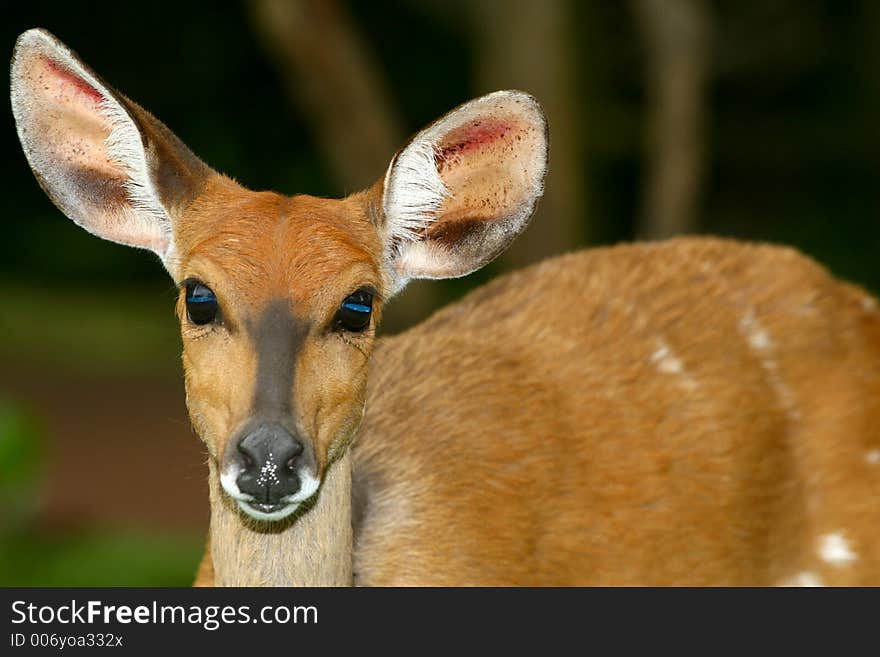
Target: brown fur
[[527, 435]]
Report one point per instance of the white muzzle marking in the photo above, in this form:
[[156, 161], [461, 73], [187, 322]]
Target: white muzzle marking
[[309, 485]]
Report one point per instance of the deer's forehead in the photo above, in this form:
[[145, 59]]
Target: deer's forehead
[[268, 247]]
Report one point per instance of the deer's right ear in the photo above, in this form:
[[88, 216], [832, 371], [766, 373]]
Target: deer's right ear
[[105, 162]]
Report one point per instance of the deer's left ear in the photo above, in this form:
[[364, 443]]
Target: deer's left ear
[[464, 187], [107, 163]]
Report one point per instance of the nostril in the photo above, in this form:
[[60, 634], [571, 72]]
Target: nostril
[[295, 450], [246, 457]]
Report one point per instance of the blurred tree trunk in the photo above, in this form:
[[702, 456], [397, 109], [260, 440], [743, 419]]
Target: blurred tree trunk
[[331, 75], [527, 45], [870, 37], [676, 37]]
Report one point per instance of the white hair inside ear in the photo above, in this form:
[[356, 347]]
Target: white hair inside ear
[[49, 119], [464, 187], [107, 163], [414, 191]]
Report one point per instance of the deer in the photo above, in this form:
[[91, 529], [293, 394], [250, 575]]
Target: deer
[[699, 411]]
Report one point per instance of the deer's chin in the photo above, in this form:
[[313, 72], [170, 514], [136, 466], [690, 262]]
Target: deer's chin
[[267, 512]]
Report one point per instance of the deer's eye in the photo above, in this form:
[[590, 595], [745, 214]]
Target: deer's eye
[[201, 304], [354, 313]]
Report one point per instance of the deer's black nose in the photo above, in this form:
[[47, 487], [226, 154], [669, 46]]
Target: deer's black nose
[[269, 462]]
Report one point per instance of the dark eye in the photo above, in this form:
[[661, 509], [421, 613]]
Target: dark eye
[[201, 304], [354, 313]]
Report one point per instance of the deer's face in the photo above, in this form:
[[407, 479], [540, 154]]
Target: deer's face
[[279, 300], [279, 296]]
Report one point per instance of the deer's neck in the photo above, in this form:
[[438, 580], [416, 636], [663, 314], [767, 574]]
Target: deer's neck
[[313, 551]]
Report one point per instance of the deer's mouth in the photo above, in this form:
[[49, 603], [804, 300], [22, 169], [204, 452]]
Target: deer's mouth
[[268, 508], [267, 511]]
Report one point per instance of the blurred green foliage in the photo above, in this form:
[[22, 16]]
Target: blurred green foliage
[[22, 451], [31, 555], [121, 330], [98, 557]]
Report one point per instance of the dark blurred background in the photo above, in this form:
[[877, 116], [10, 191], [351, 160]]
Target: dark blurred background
[[748, 118]]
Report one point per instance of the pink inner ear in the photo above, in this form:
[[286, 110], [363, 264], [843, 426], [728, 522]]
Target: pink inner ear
[[471, 137], [70, 79]]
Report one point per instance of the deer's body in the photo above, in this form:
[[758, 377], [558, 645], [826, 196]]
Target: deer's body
[[697, 412], [691, 412]]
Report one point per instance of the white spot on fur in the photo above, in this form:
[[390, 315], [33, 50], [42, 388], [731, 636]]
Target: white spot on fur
[[668, 363], [872, 457], [835, 550], [869, 305], [757, 336], [805, 579], [759, 339]]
